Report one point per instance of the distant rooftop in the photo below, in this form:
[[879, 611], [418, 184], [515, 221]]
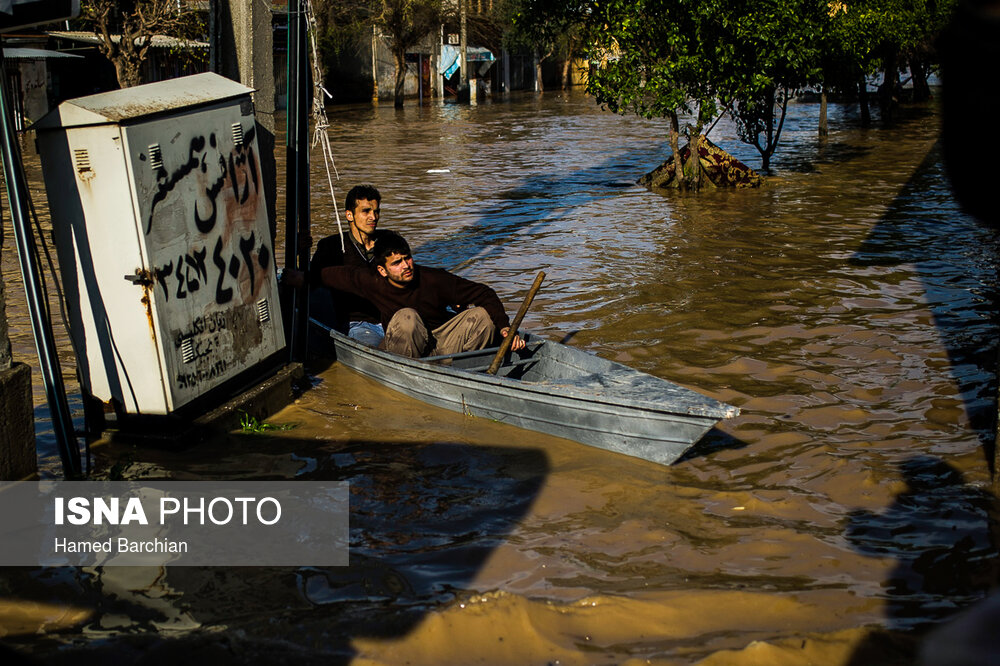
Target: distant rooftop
[[158, 42], [21, 53]]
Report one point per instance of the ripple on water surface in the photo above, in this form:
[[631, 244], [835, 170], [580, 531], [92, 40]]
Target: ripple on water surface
[[846, 308]]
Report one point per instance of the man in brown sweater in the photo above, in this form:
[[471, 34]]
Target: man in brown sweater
[[425, 311]]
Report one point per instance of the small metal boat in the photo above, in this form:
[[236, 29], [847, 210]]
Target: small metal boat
[[552, 388]]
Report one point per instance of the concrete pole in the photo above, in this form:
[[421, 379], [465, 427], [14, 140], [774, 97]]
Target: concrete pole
[[374, 66], [437, 81], [506, 71], [242, 49], [17, 417], [5, 354]]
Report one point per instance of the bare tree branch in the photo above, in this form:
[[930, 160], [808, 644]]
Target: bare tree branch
[[125, 30]]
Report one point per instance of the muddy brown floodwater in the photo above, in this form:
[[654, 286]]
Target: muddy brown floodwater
[[847, 308]]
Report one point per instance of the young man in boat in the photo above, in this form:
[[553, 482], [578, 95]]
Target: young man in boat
[[425, 311], [355, 249]]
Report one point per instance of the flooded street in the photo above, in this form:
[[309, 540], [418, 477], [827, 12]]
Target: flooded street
[[847, 308]]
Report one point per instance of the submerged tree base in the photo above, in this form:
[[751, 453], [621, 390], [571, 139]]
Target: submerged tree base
[[718, 169]]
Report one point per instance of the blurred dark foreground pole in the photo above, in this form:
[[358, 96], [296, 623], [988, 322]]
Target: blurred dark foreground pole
[[970, 75], [970, 102]]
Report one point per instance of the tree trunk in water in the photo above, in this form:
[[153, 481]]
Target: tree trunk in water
[[887, 91], [824, 130], [921, 89], [694, 159], [539, 86], [692, 167], [866, 114], [566, 73], [676, 152], [768, 147], [400, 79]]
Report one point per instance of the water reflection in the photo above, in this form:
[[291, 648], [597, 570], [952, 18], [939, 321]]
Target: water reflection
[[845, 308]]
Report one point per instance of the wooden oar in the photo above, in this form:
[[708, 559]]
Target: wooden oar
[[509, 340]]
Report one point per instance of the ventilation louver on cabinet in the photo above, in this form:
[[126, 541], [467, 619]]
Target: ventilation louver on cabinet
[[155, 157], [82, 160], [187, 350]]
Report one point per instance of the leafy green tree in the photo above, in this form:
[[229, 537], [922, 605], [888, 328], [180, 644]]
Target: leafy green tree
[[871, 36], [658, 59], [342, 28], [776, 52], [677, 58], [906, 35], [550, 28]]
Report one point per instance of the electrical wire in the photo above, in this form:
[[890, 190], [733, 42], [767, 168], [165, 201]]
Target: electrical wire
[[320, 135]]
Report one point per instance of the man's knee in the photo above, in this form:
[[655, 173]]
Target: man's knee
[[406, 334], [480, 315], [480, 325], [406, 319]]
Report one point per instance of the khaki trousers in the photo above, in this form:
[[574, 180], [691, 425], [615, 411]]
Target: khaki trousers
[[407, 335]]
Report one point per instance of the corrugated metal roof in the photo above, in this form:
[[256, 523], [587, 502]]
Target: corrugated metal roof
[[145, 100], [21, 53], [158, 41]]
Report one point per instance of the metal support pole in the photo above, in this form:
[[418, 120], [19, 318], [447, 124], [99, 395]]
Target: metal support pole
[[297, 177], [48, 358]]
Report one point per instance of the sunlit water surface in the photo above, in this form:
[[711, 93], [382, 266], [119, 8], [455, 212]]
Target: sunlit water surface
[[847, 308]]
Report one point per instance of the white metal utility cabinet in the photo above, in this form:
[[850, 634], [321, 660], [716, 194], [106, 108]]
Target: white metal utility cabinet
[[164, 245]]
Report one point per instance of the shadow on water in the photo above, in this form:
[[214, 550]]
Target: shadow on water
[[424, 519], [955, 259], [714, 440], [936, 531]]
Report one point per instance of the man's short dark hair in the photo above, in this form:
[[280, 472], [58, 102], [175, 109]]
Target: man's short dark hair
[[388, 243], [359, 192]]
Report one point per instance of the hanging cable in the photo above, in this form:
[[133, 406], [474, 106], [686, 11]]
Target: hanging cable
[[322, 123]]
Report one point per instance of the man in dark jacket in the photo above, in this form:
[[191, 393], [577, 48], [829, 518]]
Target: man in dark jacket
[[354, 248], [425, 311]]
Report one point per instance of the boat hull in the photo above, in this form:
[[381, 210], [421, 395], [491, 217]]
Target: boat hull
[[554, 389]]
